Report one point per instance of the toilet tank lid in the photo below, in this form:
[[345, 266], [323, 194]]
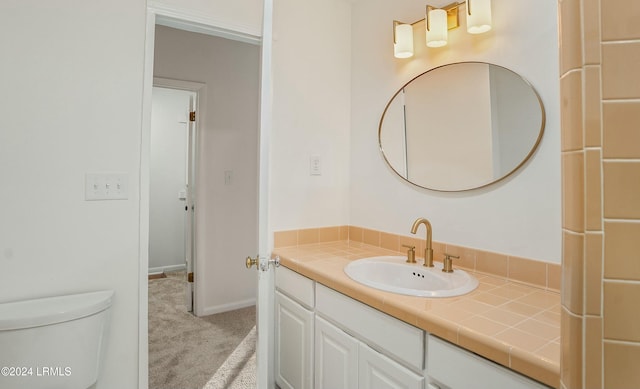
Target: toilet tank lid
[[52, 310]]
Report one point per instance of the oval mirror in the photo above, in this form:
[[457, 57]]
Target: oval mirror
[[461, 126]]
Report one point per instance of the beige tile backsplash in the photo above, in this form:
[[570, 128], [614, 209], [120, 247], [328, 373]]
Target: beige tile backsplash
[[528, 271]]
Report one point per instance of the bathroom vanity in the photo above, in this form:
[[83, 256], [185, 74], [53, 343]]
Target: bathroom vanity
[[332, 332]]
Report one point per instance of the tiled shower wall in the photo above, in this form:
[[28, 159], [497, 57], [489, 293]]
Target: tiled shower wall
[[600, 114]]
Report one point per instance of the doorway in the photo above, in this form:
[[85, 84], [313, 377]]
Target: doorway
[[171, 183], [226, 213]]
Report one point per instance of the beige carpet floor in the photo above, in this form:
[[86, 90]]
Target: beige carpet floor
[[239, 370], [185, 351]]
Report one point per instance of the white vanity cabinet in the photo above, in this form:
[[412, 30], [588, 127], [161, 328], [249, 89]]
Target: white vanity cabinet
[[346, 360], [294, 344], [343, 362], [294, 321], [380, 372], [327, 340], [336, 357], [323, 341], [451, 367]]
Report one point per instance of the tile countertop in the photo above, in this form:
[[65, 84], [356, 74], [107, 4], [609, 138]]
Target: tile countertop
[[513, 324]]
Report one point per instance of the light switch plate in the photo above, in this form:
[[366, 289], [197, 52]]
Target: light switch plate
[[315, 166], [106, 186]]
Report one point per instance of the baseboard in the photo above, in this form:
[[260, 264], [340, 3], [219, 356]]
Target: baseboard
[[227, 307], [165, 269]]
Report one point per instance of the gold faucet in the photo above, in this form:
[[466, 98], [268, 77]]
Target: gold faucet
[[428, 251]]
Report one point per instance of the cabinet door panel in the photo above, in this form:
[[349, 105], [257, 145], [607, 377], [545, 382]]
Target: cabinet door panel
[[379, 372], [336, 357], [294, 344]]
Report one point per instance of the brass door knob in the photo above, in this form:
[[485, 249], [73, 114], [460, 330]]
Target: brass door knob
[[251, 262]]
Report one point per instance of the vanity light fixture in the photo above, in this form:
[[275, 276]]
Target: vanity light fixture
[[402, 40], [437, 23]]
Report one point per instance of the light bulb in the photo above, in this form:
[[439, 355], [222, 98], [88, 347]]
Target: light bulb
[[478, 16], [438, 30], [403, 47]]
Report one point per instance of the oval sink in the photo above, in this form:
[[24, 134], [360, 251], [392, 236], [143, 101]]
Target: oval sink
[[393, 274]]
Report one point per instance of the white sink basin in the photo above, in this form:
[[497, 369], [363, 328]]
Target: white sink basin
[[393, 274]]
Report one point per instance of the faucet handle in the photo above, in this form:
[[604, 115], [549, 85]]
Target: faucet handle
[[447, 263], [411, 253]]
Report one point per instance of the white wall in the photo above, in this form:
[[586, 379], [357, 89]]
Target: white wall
[[311, 113], [70, 103], [518, 216], [168, 177], [226, 215]]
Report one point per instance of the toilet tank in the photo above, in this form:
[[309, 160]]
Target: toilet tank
[[54, 342]]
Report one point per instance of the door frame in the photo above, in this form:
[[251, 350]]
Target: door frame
[[181, 19]]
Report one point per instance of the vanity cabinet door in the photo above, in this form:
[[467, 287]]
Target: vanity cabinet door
[[377, 371], [294, 344], [336, 357]]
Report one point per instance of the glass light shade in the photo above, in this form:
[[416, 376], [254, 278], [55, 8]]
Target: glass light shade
[[478, 16], [403, 47], [438, 30]]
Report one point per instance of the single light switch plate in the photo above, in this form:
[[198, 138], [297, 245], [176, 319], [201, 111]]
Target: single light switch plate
[[315, 166], [106, 186]]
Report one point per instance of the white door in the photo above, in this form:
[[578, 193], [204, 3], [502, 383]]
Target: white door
[[169, 175], [266, 279]]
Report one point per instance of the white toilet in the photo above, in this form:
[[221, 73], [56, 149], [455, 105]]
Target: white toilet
[[54, 342]]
